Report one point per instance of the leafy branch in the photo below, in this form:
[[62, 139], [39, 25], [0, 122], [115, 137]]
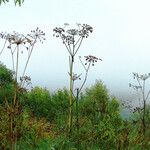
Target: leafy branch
[[19, 2]]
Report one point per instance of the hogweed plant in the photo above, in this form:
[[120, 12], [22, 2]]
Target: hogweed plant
[[72, 39], [88, 62], [18, 44], [140, 87]]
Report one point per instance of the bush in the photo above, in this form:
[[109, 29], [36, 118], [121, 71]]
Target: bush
[[39, 103], [61, 99], [102, 116], [6, 84]]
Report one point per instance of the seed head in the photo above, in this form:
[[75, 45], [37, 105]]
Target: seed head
[[91, 59]]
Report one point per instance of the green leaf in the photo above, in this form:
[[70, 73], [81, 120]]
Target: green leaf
[[3, 1], [19, 2]]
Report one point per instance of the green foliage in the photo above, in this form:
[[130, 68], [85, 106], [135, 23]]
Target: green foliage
[[3, 1], [103, 113], [39, 102], [6, 93], [3, 128], [95, 102], [61, 99], [42, 123], [19, 2], [6, 84], [6, 75], [36, 134]]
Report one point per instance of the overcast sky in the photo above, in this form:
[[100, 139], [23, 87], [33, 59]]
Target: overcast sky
[[121, 38]]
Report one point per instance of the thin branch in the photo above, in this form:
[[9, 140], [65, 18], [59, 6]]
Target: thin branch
[[78, 46], [14, 49], [139, 83], [12, 55], [23, 83], [147, 94], [73, 47], [3, 47], [17, 63], [69, 50], [29, 58], [78, 40], [29, 50], [140, 102], [143, 92], [16, 76], [6, 101], [86, 74], [82, 63]]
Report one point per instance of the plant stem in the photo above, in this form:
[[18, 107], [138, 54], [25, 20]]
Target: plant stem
[[144, 108], [77, 117], [71, 95], [85, 78], [28, 58]]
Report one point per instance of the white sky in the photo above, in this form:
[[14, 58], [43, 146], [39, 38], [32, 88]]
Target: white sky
[[121, 38]]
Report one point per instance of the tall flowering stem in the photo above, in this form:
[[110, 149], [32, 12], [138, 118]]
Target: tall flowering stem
[[17, 44], [89, 61], [72, 39], [140, 87]]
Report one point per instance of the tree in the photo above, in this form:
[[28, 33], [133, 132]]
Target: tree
[[95, 102], [102, 116], [19, 2]]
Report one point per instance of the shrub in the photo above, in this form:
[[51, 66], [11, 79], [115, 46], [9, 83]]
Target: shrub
[[40, 104]]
